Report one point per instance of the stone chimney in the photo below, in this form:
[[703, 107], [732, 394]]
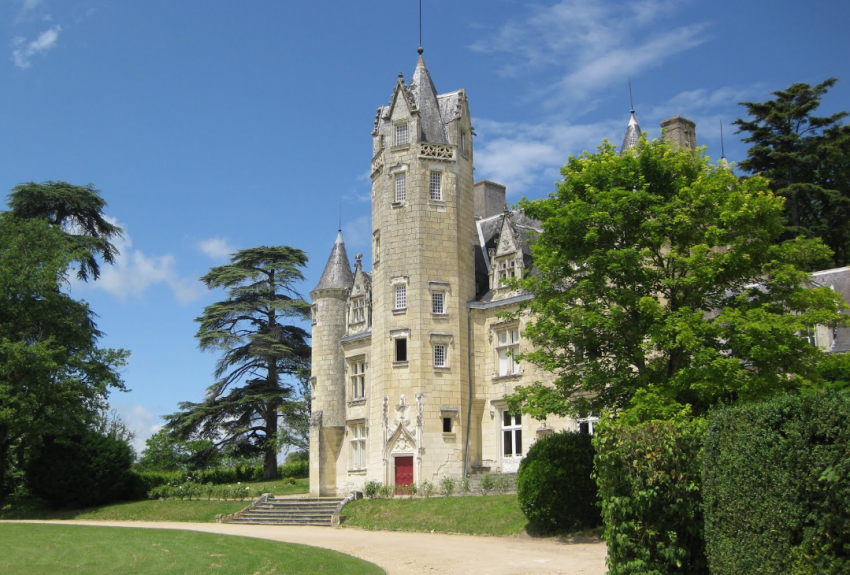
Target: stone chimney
[[680, 132], [489, 198]]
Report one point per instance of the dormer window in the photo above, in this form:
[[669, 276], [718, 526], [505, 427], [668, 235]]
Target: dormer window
[[507, 270], [401, 138], [358, 310]]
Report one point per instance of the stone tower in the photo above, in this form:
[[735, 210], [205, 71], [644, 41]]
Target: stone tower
[[680, 132], [422, 278], [327, 422]]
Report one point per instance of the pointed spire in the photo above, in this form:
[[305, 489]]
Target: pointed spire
[[337, 274], [632, 135], [425, 96]]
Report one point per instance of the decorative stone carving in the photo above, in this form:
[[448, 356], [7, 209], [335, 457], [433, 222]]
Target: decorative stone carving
[[316, 418], [402, 445], [437, 151]]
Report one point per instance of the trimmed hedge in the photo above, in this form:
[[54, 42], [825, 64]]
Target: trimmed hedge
[[649, 484], [82, 471], [555, 487], [777, 486], [150, 480]]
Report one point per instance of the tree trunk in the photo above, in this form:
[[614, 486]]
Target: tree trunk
[[270, 465], [4, 461]]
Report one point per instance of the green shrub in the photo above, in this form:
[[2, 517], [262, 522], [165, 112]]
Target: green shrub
[[82, 470], [488, 483], [447, 486], [372, 489], [426, 489], [649, 486], [297, 469], [465, 486], [555, 489], [776, 486]]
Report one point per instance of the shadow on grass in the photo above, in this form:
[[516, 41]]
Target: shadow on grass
[[567, 537]]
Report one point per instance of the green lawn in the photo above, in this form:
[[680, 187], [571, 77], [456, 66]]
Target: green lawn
[[475, 515], [72, 549]]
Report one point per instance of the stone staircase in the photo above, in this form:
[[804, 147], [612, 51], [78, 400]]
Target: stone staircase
[[268, 510]]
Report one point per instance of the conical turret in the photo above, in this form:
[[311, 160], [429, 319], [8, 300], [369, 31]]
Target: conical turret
[[425, 96], [632, 136], [337, 274]]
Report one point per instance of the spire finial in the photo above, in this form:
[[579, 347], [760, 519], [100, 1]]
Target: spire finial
[[631, 99], [420, 49], [722, 147]]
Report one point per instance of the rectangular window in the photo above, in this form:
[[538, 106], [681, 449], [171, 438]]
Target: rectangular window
[[400, 297], [358, 379], [436, 185], [447, 425], [463, 141], [401, 134], [358, 310], [401, 349], [400, 187], [511, 434], [358, 446], [440, 359], [507, 349], [438, 303]]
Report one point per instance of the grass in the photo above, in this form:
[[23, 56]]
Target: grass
[[150, 510], [73, 549], [474, 515]]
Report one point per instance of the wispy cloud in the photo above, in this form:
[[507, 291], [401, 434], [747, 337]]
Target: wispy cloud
[[216, 248], [358, 235], [140, 421], [23, 51], [134, 272], [591, 43]]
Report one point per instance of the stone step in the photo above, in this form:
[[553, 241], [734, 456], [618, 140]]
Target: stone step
[[290, 511]]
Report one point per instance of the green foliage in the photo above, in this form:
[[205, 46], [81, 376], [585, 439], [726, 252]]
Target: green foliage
[[254, 407], [805, 159], [649, 485], [426, 489], [297, 469], [448, 486], [662, 289], [777, 486], [54, 379], [219, 475], [488, 483], [76, 212], [554, 484], [82, 470], [372, 489], [465, 487], [386, 491]]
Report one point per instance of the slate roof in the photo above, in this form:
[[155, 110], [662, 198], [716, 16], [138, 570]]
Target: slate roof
[[632, 135], [488, 237], [337, 274], [425, 96]]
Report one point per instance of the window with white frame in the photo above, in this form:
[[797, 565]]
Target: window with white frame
[[585, 424], [810, 335], [507, 348], [507, 270], [400, 297], [358, 446], [438, 303], [436, 185], [511, 434], [401, 134], [358, 310], [400, 187], [441, 355], [357, 378]]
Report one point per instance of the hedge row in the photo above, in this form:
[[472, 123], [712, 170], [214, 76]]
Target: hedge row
[[776, 487], [761, 488], [648, 478], [219, 476]]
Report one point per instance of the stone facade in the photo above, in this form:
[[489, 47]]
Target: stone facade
[[412, 362]]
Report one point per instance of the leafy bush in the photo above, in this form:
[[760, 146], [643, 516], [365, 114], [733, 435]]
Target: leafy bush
[[555, 489], [82, 470], [297, 469], [465, 486], [387, 491], [649, 485], [447, 486], [502, 483], [776, 486], [488, 483], [426, 489], [372, 489]]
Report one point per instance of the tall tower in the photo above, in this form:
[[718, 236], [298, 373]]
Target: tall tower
[[327, 422], [423, 277]]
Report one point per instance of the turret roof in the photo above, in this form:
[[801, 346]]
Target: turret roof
[[425, 96], [337, 274], [632, 136]]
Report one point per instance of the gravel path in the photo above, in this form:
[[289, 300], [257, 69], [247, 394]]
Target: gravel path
[[416, 553]]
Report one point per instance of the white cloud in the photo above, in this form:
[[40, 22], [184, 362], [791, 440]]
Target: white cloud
[[24, 52], [134, 272], [592, 44], [140, 421], [216, 248]]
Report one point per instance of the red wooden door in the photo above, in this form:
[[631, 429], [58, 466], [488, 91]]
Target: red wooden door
[[404, 470]]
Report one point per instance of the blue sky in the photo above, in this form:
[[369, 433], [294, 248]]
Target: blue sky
[[216, 126]]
